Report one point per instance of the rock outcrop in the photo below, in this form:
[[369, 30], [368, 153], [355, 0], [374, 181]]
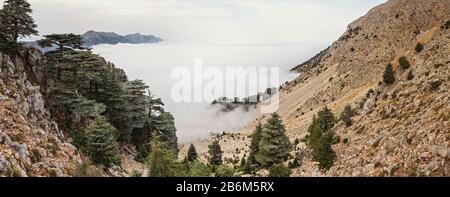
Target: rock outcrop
[[30, 143]]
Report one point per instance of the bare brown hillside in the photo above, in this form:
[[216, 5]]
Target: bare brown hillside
[[401, 129]]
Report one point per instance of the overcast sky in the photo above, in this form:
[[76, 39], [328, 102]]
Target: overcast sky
[[229, 21]]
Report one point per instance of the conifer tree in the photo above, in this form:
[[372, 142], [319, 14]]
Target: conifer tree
[[191, 154], [346, 115], [138, 102], [315, 135], [323, 152], [154, 108], [161, 162], [16, 21], [254, 145], [63, 41], [117, 111], [102, 145], [320, 143], [243, 163], [215, 154], [167, 131], [326, 119], [274, 146], [388, 76]]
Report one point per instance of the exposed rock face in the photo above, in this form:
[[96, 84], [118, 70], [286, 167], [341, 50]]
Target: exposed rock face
[[30, 143], [92, 38]]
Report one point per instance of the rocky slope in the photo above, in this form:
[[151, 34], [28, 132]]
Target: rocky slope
[[30, 143], [400, 129], [92, 38]]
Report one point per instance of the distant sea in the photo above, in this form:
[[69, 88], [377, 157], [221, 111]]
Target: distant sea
[[154, 63]]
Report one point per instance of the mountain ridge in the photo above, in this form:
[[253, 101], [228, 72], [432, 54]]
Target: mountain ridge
[[92, 38], [400, 129]]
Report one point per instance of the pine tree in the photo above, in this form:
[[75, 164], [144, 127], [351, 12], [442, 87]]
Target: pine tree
[[161, 162], [117, 106], [215, 154], [16, 21], [254, 145], [138, 102], [243, 163], [63, 41], [320, 143], [315, 135], [389, 76], [102, 145], [326, 119], [167, 131], [323, 152], [191, 154], [154, 108], [347, 115], [274, 146]]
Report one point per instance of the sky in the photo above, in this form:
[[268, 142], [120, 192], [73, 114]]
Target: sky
[[215, 21]]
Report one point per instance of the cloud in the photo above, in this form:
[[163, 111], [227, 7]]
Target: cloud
[[251, 21]]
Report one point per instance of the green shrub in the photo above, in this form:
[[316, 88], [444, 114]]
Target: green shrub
[[86, 169], [224, 171], [198, 169], [419, 47], [35, 155], [434, 85], [136, 173], [52, 172], [404, 63], [445, 116], [345, 141], [295, 163], [279, 170], [447, 25], [410, 76]]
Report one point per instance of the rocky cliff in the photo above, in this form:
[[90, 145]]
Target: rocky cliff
[[30, 143], [401, 129]]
